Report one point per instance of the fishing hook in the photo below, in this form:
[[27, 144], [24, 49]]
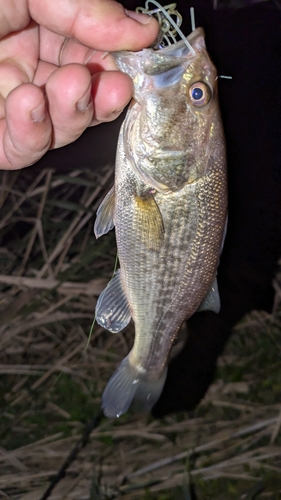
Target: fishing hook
[[168, 27]]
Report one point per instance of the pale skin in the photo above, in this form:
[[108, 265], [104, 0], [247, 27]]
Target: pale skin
[[55, 77]]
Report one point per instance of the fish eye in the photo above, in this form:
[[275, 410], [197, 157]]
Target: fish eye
[[200, 94]]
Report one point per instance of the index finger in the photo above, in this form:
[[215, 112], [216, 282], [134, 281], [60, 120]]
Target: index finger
[[102, 24]]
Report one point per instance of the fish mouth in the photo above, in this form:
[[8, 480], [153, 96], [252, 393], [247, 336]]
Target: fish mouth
[[174, 57]]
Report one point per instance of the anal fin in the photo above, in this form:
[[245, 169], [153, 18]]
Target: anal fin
[[212, 300], [112, 310], [105, 214]]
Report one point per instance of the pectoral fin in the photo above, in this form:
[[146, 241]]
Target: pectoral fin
[[212, 299], [149, 222], [105, 214], [112, 309]]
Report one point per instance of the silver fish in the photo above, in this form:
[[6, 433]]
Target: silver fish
[[169, 208]]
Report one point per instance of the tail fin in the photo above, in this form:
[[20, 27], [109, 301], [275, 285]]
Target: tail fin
[[127, 387]]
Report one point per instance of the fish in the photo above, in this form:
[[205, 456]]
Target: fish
[[169, 209]]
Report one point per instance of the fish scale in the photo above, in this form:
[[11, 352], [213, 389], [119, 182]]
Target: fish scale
[[169, 207]]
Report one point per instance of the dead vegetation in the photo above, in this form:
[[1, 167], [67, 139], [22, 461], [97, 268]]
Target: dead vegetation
[[52, 375]]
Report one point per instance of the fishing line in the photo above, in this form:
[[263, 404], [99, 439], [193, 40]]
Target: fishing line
[[115, 265], [165, 21], [94, 320], [89, 336], [192, 19], [224, 76]]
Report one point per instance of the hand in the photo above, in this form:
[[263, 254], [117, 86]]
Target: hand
[[55, 77]]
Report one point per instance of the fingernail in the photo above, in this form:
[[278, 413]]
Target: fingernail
[[116, 112], [137, 16], [38, 114], [86, 100]]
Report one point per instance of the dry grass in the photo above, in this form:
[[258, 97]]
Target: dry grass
[[51, 272]]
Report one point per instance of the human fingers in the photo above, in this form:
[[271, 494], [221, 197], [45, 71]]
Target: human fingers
[[57, 50], [25, 131], [29, 131], [75, 100], [18, 58], [14, 16], [100, 24], [111, 90], [25, 128], [69, 94]]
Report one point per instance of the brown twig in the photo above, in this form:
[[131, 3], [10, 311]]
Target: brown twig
[[81, 443]]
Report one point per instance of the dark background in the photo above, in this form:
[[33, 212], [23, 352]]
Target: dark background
[[244, 43]]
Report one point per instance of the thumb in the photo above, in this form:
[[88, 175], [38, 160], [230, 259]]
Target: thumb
[[102, 24]]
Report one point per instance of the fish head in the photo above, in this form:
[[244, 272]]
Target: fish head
[[173, 126]]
